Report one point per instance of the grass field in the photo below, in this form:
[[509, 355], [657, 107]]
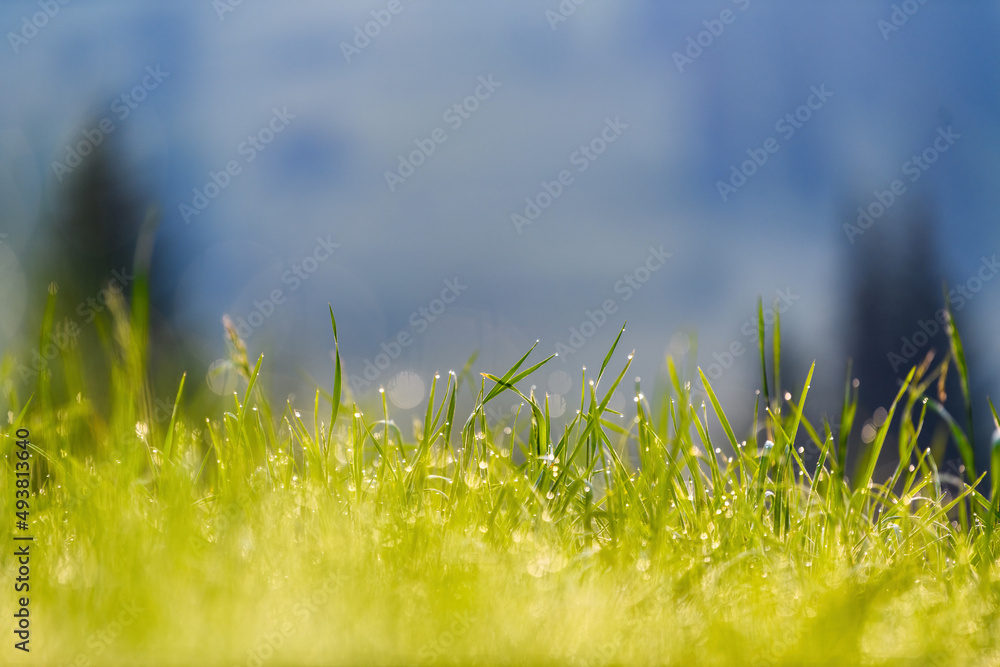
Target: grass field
[[262, 536]]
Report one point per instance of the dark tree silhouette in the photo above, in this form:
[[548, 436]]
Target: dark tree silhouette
[[895, 291], [101, 235]]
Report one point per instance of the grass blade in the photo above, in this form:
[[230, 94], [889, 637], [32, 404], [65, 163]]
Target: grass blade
[[761, 343], [168, 445], [718, 410], [872, 456], [338, 379], [958, 352]]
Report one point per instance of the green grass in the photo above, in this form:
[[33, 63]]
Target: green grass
[[264, 537]]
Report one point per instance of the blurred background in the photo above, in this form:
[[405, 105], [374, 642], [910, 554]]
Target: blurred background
[[460, 177]]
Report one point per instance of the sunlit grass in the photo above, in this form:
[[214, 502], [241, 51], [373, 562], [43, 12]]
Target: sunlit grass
[[324, 534]]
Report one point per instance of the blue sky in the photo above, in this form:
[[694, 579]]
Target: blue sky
[[323, 176]]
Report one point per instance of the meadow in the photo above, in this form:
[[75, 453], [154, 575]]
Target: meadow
[[330, 534]]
